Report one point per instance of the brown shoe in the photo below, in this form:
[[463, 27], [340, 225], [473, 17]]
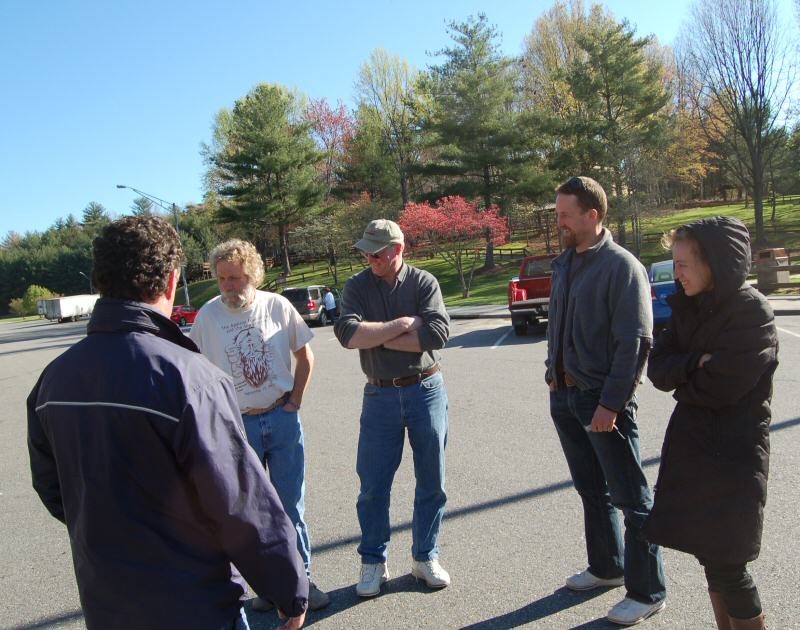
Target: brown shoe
[[756, 623]]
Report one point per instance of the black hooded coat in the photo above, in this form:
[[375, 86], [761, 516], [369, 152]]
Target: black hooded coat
[[712, 484]]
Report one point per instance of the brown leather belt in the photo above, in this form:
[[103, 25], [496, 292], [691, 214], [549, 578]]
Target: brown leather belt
[[404, 381], [262, 410]]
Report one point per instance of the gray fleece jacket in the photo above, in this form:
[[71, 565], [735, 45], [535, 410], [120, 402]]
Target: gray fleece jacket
[[603, 318]]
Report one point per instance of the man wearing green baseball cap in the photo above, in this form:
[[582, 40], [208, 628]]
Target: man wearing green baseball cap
[[394, 315]]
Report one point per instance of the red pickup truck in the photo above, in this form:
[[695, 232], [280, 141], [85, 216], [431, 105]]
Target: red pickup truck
[[529, 293]]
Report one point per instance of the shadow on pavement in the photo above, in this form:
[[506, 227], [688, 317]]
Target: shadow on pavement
[[50, 622], [560, 600], [50, 347], [511, 498], [487, 338], [341, 599]]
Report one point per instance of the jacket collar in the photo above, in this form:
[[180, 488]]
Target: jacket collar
[[111, 315], [565, 257]]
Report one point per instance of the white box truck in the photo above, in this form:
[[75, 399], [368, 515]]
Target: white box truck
[[69, 308]]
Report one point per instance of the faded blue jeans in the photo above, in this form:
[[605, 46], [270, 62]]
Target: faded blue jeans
[[387, 413], [277, 438], [607, 472]]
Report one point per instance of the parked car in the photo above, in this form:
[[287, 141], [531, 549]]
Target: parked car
[[308, 302], [183, 315], [662, 285]]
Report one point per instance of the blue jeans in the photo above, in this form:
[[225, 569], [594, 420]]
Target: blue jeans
[[607, 472], [239, 623], [277, 438], [386, 414]]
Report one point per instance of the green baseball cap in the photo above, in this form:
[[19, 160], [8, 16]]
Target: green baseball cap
[[379, 234]]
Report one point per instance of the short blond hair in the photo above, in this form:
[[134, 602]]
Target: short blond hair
[[683, 235], [241, 253]]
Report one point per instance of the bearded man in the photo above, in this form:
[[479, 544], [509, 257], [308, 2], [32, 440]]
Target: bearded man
[[598, 337], [252, 335]]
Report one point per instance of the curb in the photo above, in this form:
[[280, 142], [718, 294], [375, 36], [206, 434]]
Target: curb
[[505, 314], [479, 315]]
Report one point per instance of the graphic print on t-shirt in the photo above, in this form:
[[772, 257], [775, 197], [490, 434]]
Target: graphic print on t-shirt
[[249, 357]]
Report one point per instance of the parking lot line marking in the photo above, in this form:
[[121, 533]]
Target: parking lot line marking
[[788, 332], [502, 339]]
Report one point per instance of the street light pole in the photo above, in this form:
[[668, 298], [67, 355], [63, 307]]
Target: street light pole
[[169, 207], [91, 288]]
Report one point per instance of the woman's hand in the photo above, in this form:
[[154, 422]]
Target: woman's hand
[[703, 360]]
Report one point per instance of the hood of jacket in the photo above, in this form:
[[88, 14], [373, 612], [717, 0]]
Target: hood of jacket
[[726, 245]]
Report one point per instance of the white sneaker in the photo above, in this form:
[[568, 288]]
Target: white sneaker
[[586, 581], [431, 572], [372, 577], [629, 612]]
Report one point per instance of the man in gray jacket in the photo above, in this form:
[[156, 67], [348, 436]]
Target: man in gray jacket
[[598, 339]]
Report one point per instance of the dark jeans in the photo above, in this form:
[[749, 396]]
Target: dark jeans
[[607, 472], [239, 623], [737, 588]]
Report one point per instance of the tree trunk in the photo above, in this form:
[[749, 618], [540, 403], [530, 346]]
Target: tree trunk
[[758, 206], [282, 236], [488, 262], [334, 267], [404, 188], [460, 269], [621, 230]]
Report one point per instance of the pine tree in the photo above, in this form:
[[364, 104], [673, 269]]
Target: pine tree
[[264, 163]]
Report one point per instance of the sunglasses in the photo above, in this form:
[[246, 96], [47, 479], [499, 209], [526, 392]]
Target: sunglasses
[[377, 255]]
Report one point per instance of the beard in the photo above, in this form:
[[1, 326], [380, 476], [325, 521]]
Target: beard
[[234, 299], [568, 238]]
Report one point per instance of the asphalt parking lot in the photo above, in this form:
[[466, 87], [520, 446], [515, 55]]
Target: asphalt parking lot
[[513, 529]]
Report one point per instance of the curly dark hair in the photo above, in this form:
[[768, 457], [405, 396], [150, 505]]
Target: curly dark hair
[[133, 257]]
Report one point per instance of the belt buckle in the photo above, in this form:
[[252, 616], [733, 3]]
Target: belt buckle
[[397, 378]]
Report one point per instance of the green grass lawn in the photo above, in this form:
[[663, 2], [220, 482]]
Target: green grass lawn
[[11, 320], [491, 287], [784, 232]]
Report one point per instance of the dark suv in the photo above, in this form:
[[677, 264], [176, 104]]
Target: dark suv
[[308, 302]]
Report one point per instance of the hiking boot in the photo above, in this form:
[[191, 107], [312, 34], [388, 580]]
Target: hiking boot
[[372, 577], [431, 572]]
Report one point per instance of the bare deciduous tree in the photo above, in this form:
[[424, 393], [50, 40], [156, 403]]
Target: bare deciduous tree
[[741, 71]]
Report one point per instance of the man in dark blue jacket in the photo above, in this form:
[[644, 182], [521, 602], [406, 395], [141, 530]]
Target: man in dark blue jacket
[[136, 444]]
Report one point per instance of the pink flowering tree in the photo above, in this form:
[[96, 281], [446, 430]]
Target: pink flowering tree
[[455, 230], [333, 130]]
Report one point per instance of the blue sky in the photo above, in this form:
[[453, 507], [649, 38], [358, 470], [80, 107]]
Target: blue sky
[[98, 93]]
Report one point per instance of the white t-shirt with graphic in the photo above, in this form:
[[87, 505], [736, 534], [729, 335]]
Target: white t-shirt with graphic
[[254, 345]]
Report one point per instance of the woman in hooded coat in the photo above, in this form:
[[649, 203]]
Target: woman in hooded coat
[[718, 353]]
